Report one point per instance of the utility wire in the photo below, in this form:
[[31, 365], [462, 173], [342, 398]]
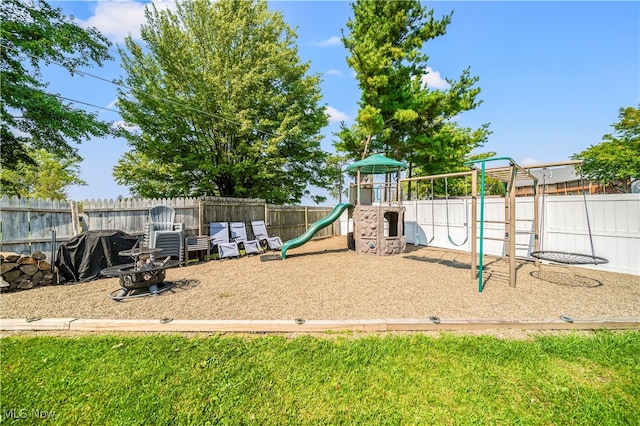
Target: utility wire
[[120, 85], [67, 99], [83, 103]]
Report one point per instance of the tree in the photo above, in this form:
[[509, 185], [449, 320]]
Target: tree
[[46, 176], [34, 34], [335, 165], [223, 106], [399, 113], [146, 178], [455, 186], [617, 158]]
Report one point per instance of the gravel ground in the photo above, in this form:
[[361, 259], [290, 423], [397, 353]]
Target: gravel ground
[[323, 280]]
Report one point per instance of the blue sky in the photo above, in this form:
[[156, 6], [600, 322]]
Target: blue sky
[[553, 74]]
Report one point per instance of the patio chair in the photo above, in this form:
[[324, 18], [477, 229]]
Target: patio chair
[[163, 232], [219, 239], [239, 235], [260, 232]]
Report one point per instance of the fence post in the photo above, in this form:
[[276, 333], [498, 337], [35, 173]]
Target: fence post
[[53, 251], [306, 218], [75, 222], [200, 214]]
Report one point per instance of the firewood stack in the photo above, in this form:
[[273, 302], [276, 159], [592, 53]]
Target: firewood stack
[[22, 272]]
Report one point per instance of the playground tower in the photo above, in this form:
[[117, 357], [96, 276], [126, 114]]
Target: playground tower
[[378, 214]]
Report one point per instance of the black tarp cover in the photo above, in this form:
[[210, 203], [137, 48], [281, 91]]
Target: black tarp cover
[[84, 256]]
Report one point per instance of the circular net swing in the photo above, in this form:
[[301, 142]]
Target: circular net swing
[[569, 258], [562, 257]]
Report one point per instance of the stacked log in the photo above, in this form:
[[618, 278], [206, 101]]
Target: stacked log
[[22, 272]]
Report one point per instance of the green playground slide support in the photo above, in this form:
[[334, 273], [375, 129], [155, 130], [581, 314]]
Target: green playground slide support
[[315, 227]]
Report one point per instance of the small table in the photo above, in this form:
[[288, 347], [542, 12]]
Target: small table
[[135, 254], [199, 244]]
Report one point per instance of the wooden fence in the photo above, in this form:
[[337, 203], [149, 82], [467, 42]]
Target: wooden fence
[[131, 215], [28, 225]]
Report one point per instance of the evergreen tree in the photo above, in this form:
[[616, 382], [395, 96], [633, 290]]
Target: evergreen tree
[[400, 115]]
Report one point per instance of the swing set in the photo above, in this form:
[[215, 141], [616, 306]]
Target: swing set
[[508, 175], [432, 199]]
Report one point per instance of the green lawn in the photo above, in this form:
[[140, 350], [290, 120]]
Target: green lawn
[[576, 379]]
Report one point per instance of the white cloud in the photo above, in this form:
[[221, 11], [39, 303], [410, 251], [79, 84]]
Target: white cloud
[[120, 124], [334, 72], [433, 80], [331, 41], [116, 20], [336, 116], [19, 133]]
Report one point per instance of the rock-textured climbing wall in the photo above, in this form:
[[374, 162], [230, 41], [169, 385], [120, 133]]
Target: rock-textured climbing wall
[[371, 234], [366, 226]]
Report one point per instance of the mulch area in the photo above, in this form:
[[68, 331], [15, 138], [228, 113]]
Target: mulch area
[[324, 280]]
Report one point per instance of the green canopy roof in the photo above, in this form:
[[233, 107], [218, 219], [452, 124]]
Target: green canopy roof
[[377, 164]]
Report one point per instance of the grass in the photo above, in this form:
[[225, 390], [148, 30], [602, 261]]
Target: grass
[[411, 379]]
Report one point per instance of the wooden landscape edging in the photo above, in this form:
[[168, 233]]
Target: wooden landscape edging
[[36, 324], [309, 326]]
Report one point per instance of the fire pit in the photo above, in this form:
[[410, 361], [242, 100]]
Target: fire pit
[[143, 277]]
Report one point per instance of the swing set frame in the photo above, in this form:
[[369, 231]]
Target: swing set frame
[[508, 176], [432, 178]]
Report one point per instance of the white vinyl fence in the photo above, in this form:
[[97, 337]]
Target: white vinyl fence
[[614, 221]]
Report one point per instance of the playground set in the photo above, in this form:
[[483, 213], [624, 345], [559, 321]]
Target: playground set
[[378, 228], [378, 216], [376, 211]]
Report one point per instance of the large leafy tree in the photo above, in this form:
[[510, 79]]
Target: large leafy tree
[[49, 176], [400, 114], [617, 158], [33, 34], [223, 105]]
